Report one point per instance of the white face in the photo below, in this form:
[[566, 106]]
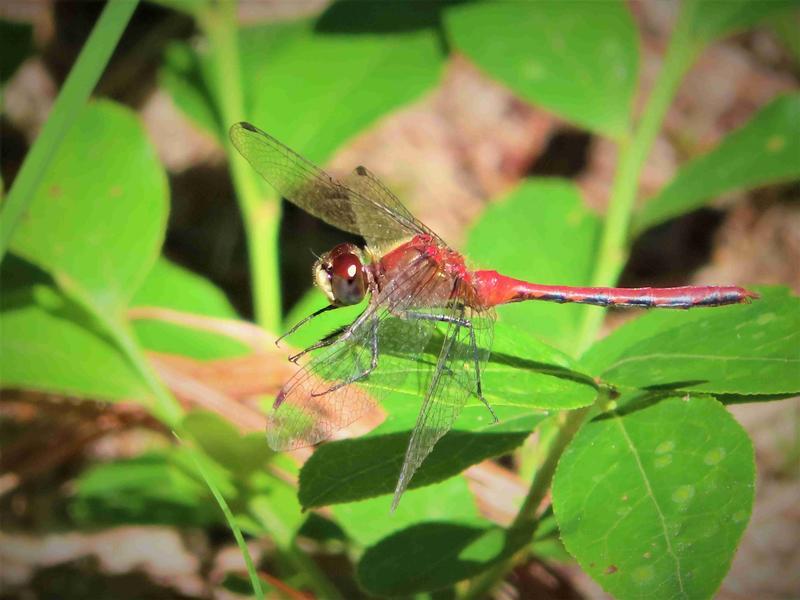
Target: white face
[[341, 276]]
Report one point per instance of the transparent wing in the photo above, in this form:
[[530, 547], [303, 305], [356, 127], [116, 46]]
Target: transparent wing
[[462, 357], [381, 223], [324, 397], [364, 207]]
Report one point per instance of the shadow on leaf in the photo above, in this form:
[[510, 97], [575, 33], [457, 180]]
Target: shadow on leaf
[[350, 470], [431, 556]]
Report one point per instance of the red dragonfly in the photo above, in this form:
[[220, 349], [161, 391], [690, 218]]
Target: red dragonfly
[[415, 283]]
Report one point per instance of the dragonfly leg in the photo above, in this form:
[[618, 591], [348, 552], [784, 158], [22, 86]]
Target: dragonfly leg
[[372, 366], [302, 322], [462, 322], [323, 343]]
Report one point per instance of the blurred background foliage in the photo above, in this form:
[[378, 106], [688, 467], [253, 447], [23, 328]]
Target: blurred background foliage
[[147, 270]]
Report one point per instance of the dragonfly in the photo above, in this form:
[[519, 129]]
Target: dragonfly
[[416, 285]]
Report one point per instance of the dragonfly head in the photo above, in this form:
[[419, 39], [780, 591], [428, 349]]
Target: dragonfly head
[[341, 275]]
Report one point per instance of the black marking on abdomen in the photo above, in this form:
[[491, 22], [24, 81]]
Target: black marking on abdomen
[[711, 300], [677, 302], [554, 297], [643, 302], [599, 300]]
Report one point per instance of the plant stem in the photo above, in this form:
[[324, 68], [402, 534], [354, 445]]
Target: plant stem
[[166, 409], [260, 212], [570, 424], [633, 152], [197, 457], [79, 84]]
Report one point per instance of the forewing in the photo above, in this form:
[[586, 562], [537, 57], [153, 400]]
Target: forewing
[[380, 217], [366, 211], [324, 396], [452, 382]]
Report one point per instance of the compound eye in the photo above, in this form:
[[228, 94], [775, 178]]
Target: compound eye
[[348, 280]]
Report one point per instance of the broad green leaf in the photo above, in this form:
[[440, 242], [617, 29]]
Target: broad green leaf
[[577, 59], [653, 501], [315, 84], [434, 555], [276, 511], [97, 221], [241, 455], [711, 19], [173, 287], [543, 233], [186, 77], [368, 521], [746, 349], [350, 470], [766, 150], [523, 376], [262, 504], [522, 371], [522, 380], [50, 344], [320, 89], [152, 488]]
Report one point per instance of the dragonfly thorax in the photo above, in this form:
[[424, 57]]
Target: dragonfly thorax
[[341, 275]]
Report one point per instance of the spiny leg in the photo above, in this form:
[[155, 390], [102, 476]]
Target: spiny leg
[[462, 322], [323, 343], [302, 322], [373, 364]]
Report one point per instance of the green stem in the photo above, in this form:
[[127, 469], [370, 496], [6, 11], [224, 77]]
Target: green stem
[[260, 213], [79, 84], [165, 408], [633, 153], [611, 259], [526, 516], [197, 458]]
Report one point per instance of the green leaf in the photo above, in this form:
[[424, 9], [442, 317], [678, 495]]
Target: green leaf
[[523, 376], [542, 232], [745, 349], [277, 512], [763, 151], [49, 343], [340, 71], [653, 502], [153, 488], [97, 220], [577, 59], [186, 77], [523, 372], [198, 459], [350, 470], [241, 455], [432, 556], [173, 287], [711, 19], [368, 521], [522, 379], [312, 85]]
